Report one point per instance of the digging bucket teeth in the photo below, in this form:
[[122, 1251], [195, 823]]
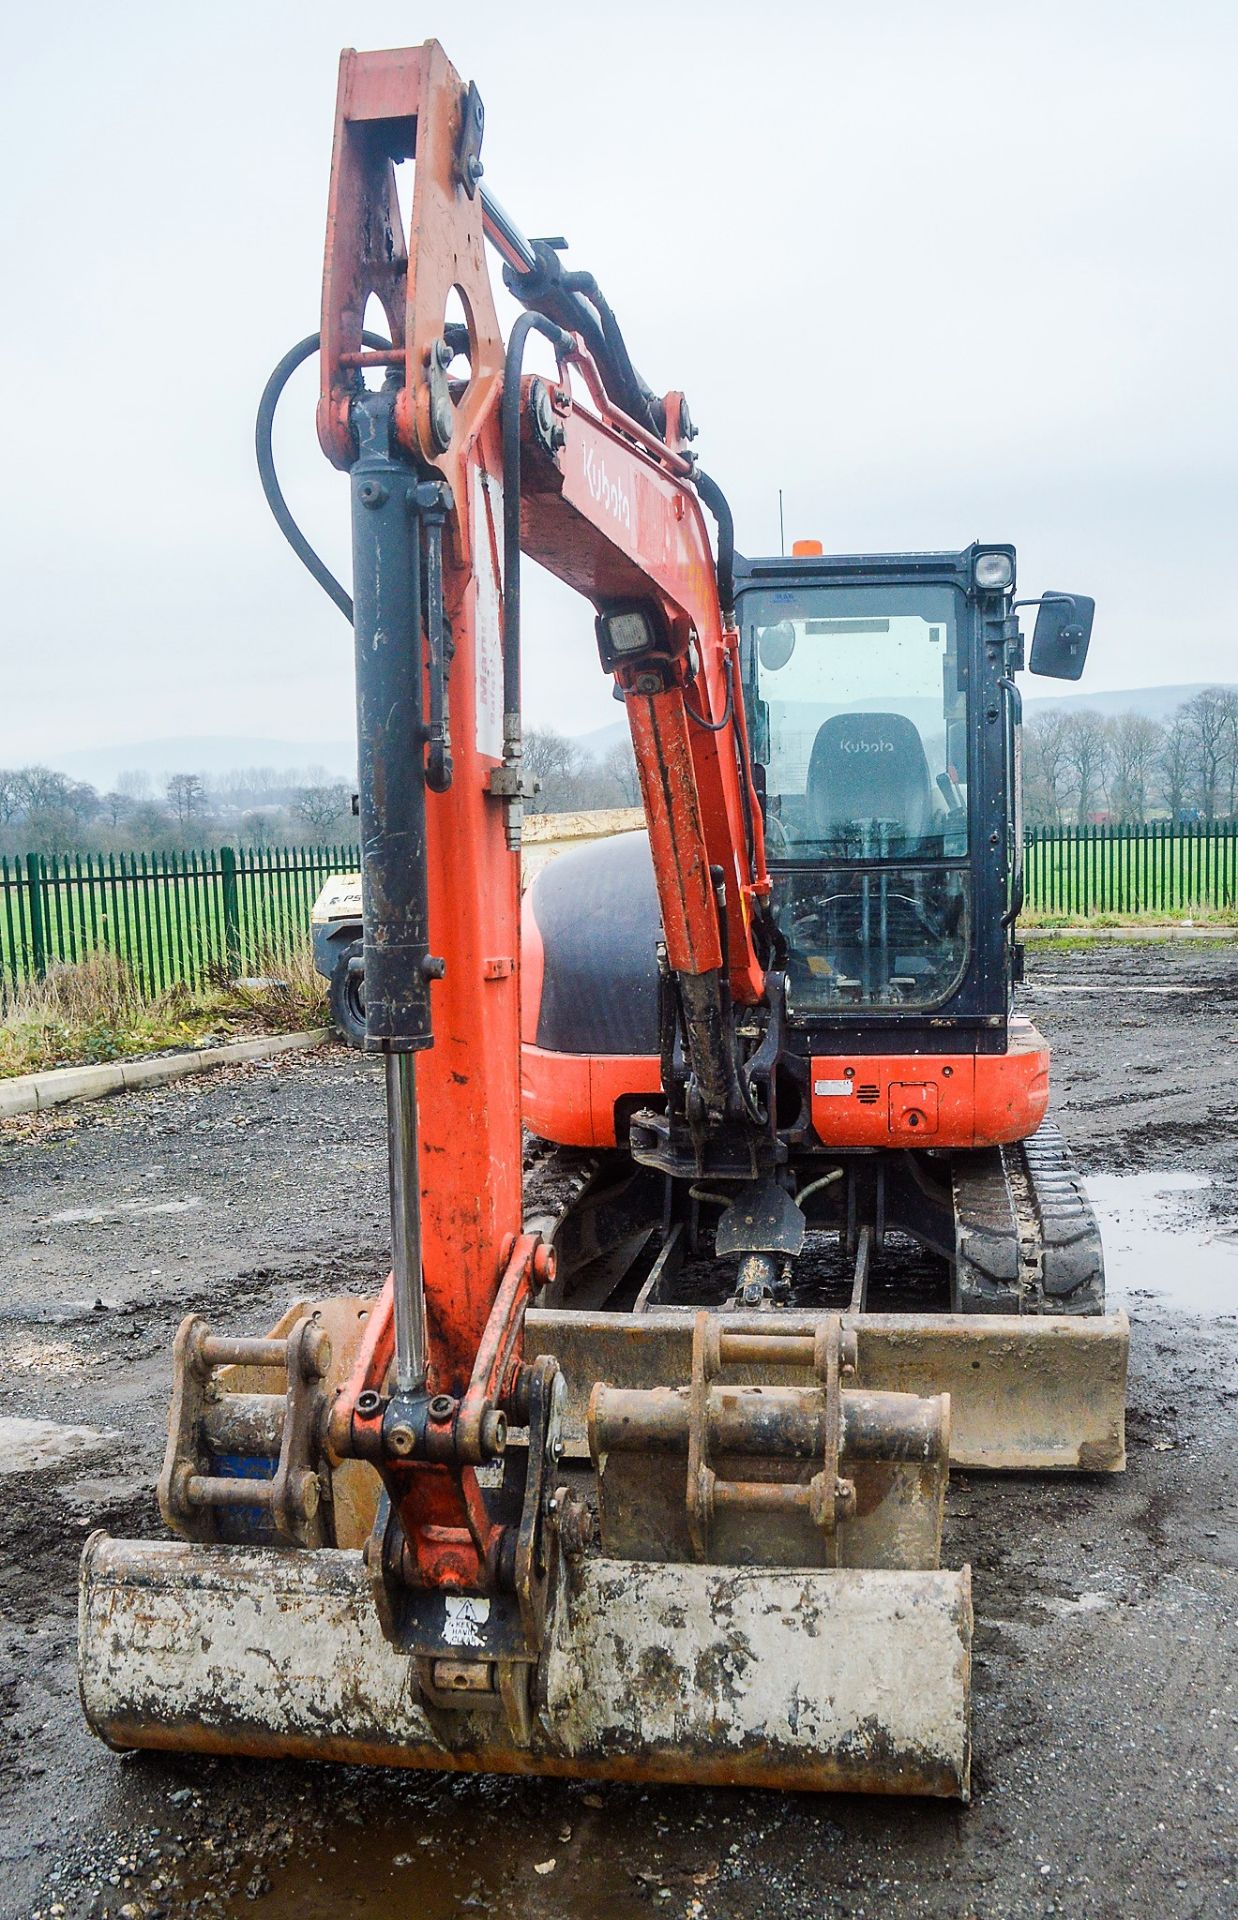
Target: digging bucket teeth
[[840, 1679]]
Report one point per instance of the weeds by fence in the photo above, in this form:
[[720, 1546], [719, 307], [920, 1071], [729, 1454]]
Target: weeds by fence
[[170, 917], [181, 917]]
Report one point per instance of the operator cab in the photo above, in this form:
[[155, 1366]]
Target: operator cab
[[883, 720]]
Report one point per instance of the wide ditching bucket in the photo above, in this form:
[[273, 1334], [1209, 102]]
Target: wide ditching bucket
[[754, 1596]]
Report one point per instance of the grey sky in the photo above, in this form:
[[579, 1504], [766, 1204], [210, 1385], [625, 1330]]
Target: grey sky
[[937, 271]]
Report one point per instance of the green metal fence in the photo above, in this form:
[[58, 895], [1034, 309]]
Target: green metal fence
[[1156, 868], [172, 916], [180, 916]]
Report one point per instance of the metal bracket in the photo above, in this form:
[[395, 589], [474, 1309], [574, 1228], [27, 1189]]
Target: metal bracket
[[209, 1430], [469, 168], [827, 1497]]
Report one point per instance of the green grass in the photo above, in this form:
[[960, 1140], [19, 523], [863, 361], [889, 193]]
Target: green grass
[[166, 925], [1152, 876]]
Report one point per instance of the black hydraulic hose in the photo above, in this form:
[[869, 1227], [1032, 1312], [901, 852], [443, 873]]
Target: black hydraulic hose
[[711, 493], [574, 300], [509, 418], [728, 712], [271, 488]]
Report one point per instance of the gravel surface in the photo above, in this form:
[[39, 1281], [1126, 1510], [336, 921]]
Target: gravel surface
[[1106, 1705]]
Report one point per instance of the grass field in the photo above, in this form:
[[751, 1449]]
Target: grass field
[[170, 918], [195, 918], [1078, 873]]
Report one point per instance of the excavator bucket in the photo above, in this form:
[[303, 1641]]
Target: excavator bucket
[[723, 1675], [749, 1592], [755, 1597]]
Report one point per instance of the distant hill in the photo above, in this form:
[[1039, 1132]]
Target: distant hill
[[1155, 703], [212, 754]]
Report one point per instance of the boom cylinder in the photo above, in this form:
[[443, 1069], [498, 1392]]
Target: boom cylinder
[[391, 735]]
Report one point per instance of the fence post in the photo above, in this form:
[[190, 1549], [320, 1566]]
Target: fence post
[[38, 915], [232, 910]]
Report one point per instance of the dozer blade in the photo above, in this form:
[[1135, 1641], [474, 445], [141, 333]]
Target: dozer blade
[[841, 1678], [1027, 1393]]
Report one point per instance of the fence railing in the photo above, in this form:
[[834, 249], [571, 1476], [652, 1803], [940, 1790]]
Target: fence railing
[[181, 916], [173, 917], [1159, 867]]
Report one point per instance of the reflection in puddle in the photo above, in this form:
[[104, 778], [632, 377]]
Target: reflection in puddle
[[1150, 1248]]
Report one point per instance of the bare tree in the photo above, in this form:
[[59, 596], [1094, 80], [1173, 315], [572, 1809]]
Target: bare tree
[[1086, 755], [147, 824], [260, 827], [1045, 738], [1135, 746], [116, 806], [1209, 723], [1229, 760], [40, 790], [321, 806], [135, 784], [554, 760], [186, 794], [1174, 766], [10, 795], [619, 766]]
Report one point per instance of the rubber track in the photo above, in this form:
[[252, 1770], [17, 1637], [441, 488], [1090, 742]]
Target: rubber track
[[1026, 1237]]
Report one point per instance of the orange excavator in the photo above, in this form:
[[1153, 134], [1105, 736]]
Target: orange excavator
[[636, 1465]]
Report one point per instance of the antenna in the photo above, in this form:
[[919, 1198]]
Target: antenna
[[782, 532]]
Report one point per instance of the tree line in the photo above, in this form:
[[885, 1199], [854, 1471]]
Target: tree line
[[43, 811], [1081, 766], [1078, 766]]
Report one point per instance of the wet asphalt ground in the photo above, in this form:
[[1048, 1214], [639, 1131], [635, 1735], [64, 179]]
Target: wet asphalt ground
[[1106, 1678]]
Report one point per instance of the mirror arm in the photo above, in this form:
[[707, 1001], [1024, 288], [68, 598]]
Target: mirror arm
[[1013, 700]]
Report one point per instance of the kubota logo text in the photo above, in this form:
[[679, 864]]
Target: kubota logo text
[[868, 746], [607, 491]]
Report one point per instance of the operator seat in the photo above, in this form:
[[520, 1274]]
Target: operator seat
[[866, 767]]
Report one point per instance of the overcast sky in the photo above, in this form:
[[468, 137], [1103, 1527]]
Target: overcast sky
[[938, 271]]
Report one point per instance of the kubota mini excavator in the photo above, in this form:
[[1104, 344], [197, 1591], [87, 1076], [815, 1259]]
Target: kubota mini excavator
[[641, 1472]]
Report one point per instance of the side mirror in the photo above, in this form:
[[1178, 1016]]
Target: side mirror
[[1060, 640], [775, 645]]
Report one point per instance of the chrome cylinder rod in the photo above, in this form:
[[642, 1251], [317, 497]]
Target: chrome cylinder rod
[[405, 1182], [505, 236]]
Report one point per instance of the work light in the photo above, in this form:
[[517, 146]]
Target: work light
[[624, 632], [994, 572]]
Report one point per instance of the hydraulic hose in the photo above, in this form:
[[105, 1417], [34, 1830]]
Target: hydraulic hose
[[271, 395], [509, 418], [711, 493]]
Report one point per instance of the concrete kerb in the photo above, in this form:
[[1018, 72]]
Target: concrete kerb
[[34, 1092]]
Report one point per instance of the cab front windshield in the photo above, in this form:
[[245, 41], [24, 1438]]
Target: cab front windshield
[[858, 718]]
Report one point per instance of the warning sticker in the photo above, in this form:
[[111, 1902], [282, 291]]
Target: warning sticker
[[465, 1614]]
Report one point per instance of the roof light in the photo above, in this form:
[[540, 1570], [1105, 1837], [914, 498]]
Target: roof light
[[806, 549], [994, 572]]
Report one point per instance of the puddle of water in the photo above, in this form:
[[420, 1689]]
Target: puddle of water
[[1151, 1250], [525, 1851], [26, 1445]]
